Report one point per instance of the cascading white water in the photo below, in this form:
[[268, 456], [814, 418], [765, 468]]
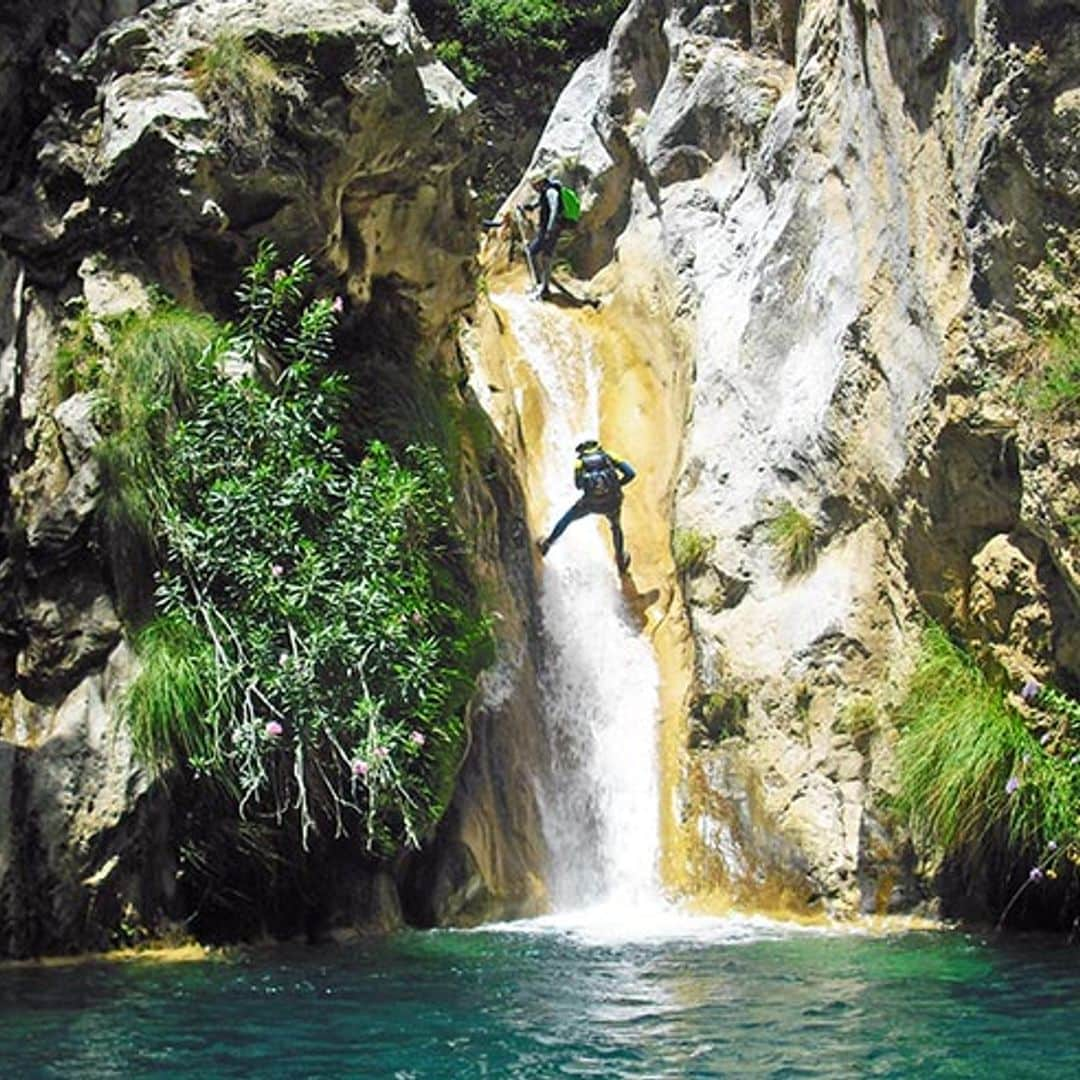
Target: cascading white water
[[599, 682]]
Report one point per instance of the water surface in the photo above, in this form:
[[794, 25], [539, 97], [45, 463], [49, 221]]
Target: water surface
[[722, 998]]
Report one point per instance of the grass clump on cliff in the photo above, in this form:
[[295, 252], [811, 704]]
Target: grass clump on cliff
[[1050, 299], [690, 549], [141, 395], [974, 769], [794, 537], [241, 87], [313, 643]]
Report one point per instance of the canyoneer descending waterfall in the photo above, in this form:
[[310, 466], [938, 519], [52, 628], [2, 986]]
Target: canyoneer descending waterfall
[[600, 477]]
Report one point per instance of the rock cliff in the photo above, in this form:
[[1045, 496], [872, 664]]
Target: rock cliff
[[129, 175], [842, 193]]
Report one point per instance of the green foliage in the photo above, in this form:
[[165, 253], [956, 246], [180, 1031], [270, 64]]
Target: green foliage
[[1049, 295], [794, 536], [717, 715], [690, 550], [482, 39], [314, 646], [81, 353], [143, 390], [241, 88], [969, 765], [455, 56], [859, 719], [1057, 388]]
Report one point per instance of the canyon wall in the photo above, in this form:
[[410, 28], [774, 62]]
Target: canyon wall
[[842, 193]]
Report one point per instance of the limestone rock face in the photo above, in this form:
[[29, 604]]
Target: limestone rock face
[[843, 192], [81, 830], [356, 150], [122, 177]]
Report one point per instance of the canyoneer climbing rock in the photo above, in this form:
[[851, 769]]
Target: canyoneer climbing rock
[[600, 477], [558, 206]]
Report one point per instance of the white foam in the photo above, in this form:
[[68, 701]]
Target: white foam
[[615, 923]]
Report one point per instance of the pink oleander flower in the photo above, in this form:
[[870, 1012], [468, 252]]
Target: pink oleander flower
[[416, 738], [277, 569], [273, 729], [338, 305], [1011, 785], [360, 768]]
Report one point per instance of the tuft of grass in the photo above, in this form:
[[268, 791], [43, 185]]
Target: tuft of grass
[[1049, 297], [968, 763], [143, 393], [172, 707], [690, 549], [241, 88], [794, 536], [81, 354], [1057, 386], [716, 715]]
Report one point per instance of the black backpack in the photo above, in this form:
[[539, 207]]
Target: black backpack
[[598, 475]]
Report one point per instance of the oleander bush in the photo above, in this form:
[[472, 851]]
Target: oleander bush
[[313, 641]]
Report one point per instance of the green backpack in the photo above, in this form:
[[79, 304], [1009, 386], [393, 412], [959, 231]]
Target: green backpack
[[569, 204]]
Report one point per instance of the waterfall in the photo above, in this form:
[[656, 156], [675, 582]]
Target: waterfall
[[599, 800]]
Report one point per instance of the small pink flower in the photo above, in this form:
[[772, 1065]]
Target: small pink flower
[[279, 275], [416, 738], [283, 659], [360, 768], [1036, 874], [277, 569], [273, 729], [338, 305], [1011, 785], [1052, 845], [417, 619], [380, 753]]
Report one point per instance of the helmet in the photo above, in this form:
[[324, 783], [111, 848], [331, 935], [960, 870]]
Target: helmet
[[586, 445]]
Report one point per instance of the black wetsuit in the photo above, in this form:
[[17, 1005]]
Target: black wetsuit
[[609, 504]]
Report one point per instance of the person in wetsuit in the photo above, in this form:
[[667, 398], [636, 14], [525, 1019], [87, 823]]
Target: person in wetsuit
[[600, 477]]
